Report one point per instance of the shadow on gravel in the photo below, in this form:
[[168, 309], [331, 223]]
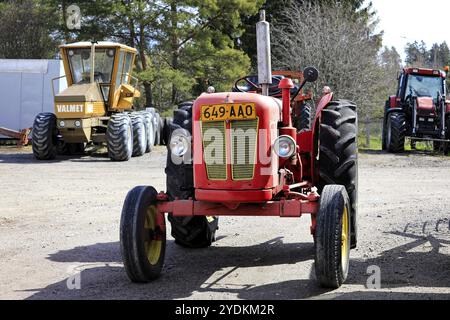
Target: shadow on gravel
[[212, 271], [419, 263], [186, 271], [28, 158]]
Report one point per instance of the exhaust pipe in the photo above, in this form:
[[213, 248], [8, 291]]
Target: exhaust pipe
[[264, 55]]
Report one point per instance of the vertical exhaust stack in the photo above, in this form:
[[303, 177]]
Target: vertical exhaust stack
[[264, 55]]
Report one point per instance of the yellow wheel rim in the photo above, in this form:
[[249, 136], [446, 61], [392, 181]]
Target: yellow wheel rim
[[345, 239], [152, 246]]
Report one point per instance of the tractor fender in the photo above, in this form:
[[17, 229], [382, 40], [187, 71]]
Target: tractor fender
[[324, 101], [389, 111]]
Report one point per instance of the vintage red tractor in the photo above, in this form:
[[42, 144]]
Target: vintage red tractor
[[418, 110], [238, 154]]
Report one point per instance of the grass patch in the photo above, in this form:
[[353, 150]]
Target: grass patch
[[375, 144]]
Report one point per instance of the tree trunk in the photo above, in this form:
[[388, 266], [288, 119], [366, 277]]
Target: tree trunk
[[147, 84], [174, 44]]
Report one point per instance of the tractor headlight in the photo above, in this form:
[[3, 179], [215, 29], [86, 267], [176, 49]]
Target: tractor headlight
[[78, 123], [62, 124], [180, 142], [285, 147]]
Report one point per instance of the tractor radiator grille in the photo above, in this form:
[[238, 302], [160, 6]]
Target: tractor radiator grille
[[214, 142], [244, 137], [243, 148]]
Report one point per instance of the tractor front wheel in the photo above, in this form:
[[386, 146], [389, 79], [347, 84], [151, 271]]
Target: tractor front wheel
[[142, 235], [332, 237], [396, 132], [44, 136]]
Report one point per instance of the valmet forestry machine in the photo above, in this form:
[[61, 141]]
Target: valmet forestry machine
[[96, 106], [238, 154], [418, 110]]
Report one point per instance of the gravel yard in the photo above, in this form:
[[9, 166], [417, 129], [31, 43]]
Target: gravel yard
[[60, 219]]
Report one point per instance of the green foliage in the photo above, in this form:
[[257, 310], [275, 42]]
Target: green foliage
[[24, 33], [418, 55]]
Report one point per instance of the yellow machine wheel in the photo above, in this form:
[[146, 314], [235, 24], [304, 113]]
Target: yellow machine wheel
[[142, 240], [333, 238]]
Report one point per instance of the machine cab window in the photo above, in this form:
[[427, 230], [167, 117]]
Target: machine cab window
[[80, 67], [424, 86]]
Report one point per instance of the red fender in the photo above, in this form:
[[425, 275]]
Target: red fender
[[323, 103]]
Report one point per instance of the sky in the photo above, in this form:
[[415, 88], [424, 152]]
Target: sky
[[404, 21]]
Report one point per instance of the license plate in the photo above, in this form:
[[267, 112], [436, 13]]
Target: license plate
[[229, 111]]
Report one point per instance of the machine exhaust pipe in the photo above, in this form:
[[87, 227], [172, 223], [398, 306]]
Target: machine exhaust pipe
[[264, 55]]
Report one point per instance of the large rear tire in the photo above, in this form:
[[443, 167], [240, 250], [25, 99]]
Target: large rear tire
[[303, 120], [139, 134], [338, 154], [332, 237], [396, 132], [119, 136], [44, 136], [190, 232], [142, 240]]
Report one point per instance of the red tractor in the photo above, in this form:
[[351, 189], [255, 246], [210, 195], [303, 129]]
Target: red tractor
[[419, 111], [238, 154]]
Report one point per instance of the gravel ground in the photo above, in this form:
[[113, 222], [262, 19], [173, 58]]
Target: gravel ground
[[59, 219]]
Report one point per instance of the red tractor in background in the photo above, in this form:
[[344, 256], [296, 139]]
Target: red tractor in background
[[238, 154], [419, 110]]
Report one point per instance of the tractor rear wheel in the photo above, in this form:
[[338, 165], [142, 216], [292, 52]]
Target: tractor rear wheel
[[139, 135], [303, 120], [149, 131], [332, 237], [119, 136], [396, 132], [338, 154], [44, 136], [142, 240], [190, 232]]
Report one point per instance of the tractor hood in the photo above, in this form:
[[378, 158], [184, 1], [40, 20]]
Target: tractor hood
[[89, 92], [425, 106]]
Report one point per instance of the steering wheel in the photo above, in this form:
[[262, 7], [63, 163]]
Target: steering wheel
[[98, 77], [252, 86]]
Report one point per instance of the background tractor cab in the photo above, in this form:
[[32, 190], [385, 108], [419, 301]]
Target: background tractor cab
[[98, 74], [418, 110]]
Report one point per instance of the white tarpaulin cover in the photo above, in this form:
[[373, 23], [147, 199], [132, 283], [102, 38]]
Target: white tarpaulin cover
[[23, 66], [26, 90]]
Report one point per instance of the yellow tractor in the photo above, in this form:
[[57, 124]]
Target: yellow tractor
[[96, 107]]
